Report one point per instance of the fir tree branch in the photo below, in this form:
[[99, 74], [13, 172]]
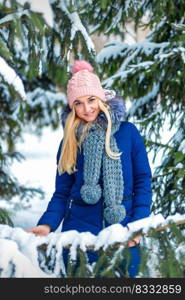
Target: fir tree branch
[[141, 232], [161, 228], [11, 17]]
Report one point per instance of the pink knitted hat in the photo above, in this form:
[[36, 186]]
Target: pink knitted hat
[[83, 82]]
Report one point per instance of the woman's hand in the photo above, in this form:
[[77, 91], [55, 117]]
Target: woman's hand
[[134, 241], [40, 230]]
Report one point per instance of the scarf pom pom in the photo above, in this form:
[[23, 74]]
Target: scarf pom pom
[[91, 193], [114, 214]]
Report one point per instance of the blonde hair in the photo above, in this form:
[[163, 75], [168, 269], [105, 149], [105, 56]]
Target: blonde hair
[[67, 160]]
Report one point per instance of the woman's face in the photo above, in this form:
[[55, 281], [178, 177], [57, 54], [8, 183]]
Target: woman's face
[[87, 108]]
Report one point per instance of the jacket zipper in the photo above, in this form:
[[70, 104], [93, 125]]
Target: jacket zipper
[[69, 209], [70, 204]]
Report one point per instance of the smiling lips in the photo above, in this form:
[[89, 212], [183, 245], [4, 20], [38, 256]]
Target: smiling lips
[[89, 115]]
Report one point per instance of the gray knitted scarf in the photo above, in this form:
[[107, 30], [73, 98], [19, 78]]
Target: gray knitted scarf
[[97, 163]]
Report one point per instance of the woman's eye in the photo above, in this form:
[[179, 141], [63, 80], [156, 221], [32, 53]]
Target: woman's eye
[[77, 103], [91, 99]]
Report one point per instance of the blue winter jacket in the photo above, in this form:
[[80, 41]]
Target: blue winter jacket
[[67, 205]]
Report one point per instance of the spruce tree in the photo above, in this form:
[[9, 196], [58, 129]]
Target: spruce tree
[[34, 59], [150, 74]]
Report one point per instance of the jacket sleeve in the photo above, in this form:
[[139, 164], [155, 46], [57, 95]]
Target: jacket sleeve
[[142, 192], [56, 207]]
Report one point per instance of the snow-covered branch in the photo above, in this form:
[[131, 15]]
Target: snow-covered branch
[[77, 26], [154, 53], [13, 16], [9, 75], [143, 100], [26, 254]]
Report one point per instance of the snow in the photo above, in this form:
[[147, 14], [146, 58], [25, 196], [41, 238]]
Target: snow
[[111, 50], [117, 20], [76, 25], [134, 5], [177, 217], [47, 100], [171, 52], [144, 47], [39, 96], [11, 257], [9, 75], [182, 147], [143, 100], [129, 53], [37, 170], [21, 248], [42, 7], [11, 17]]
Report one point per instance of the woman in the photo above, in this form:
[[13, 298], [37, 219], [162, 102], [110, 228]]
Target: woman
[[103, 175]]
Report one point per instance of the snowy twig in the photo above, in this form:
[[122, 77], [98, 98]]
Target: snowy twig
[[9, 75], [12, 17], [37, 254], [164, 227], [77, 26], [110, 235]]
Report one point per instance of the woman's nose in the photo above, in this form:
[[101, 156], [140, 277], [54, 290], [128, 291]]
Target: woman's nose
[[86, 108]]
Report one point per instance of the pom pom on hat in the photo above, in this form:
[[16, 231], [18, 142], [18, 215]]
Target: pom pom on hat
[[80, 65], [83, 82]]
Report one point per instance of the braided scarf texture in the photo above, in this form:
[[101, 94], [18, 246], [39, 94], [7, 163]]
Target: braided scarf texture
[[97, 163], [95, 160]]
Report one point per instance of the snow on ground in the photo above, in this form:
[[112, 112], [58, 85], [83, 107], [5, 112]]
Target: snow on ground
[[37, 170]]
